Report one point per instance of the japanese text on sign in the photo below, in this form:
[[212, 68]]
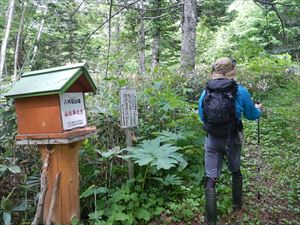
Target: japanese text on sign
[[72, 110], [129, 112]]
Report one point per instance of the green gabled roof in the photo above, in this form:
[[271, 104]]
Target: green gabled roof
[[49, 81]]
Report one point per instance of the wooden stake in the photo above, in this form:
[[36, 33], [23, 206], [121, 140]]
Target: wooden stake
[[44, 187], [129, 144], [53, 199]]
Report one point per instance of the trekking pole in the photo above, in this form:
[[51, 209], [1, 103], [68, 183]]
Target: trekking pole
[[258, 157]]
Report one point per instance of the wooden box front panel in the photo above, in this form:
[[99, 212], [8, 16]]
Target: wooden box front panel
[[39, 115]]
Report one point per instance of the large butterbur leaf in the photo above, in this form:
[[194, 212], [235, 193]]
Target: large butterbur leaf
[[154, 153], [165, 163]]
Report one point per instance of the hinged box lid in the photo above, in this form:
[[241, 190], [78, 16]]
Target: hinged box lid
[[52, 81]]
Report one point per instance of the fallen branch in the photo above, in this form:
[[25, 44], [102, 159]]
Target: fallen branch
[[44, 177], [53, 199]]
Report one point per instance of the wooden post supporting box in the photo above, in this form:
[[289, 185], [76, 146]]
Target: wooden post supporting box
[[51, 113]]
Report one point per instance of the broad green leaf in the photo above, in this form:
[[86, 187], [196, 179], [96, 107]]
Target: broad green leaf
[[144, 160], [182, 164], [7, 218], [14, 169], [165, 163], [120, 216], [93, 190], [172, 180], [158, 211], [118, 196], [75, 221], [3, 168], [6, 204], [96, 215], [88, 192], [21, 207], [143, 214], [151, 152], [112, 152]]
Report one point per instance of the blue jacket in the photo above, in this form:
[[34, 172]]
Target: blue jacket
[[243, 104]]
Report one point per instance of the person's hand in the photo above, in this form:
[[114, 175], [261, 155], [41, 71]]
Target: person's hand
[[259, 106]]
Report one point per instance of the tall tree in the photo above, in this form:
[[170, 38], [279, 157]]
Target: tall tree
[[44, 10], [188, 44], [141, 36], [156, 35], [6, 35], [17, 50]]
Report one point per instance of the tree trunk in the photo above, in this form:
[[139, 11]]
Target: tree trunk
[[188, 45], [156, 37], [141, 36], [17, 50], [155, 50], [117, 48], [38, 35], [6, 34], [109, 37]]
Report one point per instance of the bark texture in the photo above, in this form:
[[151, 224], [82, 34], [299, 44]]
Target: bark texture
[[9, 17], [38, 35], [155, 50], [156, 37], [17, 50], [44, 188], [188, 44], [141, 40]]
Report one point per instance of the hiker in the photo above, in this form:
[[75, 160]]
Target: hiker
[[221, 106]]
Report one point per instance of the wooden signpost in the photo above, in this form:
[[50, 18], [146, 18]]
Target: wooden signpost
[[51, 114], [129, 119]]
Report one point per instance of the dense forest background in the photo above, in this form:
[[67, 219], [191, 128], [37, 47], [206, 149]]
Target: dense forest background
[[164, 49]]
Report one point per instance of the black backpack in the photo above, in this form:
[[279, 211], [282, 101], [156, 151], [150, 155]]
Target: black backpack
[[219, 108]]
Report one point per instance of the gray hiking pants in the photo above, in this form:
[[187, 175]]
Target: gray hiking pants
[[215, 150]]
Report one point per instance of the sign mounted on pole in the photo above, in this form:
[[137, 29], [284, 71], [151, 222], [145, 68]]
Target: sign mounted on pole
[[72, 110], [129, 110]]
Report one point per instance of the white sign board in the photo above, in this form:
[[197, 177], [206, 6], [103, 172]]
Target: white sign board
[[72, 110], [129, 111]]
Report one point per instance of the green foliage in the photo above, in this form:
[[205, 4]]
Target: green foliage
[[215, 13], [264, 72], [7, 207], [8, 126], [126, 205], [11, 168], [152, 153]]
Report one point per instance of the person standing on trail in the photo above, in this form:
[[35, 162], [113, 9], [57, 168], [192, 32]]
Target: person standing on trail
[[221, 106]]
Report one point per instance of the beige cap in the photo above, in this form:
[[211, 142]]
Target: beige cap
[[223, 68]]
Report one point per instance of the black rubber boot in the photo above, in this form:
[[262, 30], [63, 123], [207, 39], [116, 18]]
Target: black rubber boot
[[237, 189], [211, 206]]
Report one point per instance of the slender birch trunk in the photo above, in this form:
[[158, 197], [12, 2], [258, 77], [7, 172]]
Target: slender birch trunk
[[120, 59], [141, 36], [9, 17], [109, 37], [16, 64], [188, 45], [38, 36], [156, 39], [155, 50]]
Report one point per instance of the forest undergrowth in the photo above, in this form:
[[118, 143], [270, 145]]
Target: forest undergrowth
[[169, 162]]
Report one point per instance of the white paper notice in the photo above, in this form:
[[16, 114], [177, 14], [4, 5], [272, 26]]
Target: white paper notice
[[129, 111], [72, 110]]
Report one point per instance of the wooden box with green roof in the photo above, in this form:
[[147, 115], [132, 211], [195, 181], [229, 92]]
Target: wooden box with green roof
[[50, 105]]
